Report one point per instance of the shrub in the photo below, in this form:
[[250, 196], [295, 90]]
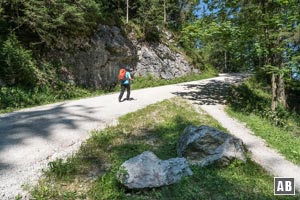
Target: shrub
[[13, 97], [249, 97], [17, 67], [152, 33], [61, 168], [243, 97], [19, 97]]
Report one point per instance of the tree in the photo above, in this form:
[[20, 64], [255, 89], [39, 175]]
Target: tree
[[51, 23], [260, 34]]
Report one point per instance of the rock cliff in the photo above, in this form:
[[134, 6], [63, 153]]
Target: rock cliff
[[97, 64], [159, 61]]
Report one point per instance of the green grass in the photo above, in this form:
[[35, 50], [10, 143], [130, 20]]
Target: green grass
[[287, 142], [254, 96], [15, 98], [91, 173]]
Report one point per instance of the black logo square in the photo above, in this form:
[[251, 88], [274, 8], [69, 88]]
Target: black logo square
[[284, 186]]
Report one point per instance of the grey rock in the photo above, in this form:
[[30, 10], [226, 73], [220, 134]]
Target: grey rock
[[147, 171], [206, 145], [96, 63], [159, 61]]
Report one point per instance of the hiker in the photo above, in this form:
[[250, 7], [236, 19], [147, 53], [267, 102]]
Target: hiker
[[125, 79]]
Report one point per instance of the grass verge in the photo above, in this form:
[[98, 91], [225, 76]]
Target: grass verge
[[285, 141], [91, 173]]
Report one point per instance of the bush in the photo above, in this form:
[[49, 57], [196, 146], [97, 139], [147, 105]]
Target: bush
[[18, 97], [152, 33], [13, 97], [17, 66], [245, 98], [61, 168], [52, 23], [249, 97]]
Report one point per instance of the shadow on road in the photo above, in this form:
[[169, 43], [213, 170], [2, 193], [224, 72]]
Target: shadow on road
[[18, 128], [212, 92]]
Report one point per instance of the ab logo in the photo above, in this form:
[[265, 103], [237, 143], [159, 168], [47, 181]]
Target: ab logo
[[284, 186]]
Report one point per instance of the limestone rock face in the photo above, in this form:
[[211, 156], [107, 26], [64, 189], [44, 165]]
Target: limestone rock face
[[159, 61], [205, 145], [147, 171], [97, 62]]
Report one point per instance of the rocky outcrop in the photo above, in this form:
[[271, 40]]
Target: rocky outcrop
[[97, 63], [148, 171], [205, 145], [159, 61]]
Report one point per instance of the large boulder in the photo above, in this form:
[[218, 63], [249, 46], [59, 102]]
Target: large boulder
[[206, 145], [147, 171]]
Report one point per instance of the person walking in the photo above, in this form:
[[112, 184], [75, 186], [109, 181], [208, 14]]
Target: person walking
[[125, 80]]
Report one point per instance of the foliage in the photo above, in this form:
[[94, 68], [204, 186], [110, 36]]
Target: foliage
[[153, 16], [17, 64], [12, 98], [157, 128], [51, 23], [133, 28], [258, 36], [250, 97], [62, 23], [60, 168], [149, 15]]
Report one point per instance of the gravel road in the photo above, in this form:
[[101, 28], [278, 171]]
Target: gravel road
[[32, 137]]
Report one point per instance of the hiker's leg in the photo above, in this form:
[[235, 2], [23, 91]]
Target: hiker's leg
[[128, 91], [122, 92]]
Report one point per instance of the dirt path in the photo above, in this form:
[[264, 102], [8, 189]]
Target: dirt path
[[210, 97], [268, 158], [33, 137]]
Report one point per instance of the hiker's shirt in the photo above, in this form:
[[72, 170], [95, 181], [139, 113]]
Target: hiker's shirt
[[128, 77]]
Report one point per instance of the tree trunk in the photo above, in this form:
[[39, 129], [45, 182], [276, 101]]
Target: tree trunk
[[280, 93], [280, 88], [273, 85], [165, 12], [127, 8], [225, 61]]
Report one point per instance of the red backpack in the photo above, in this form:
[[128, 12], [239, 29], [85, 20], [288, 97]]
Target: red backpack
[[122, 75]]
